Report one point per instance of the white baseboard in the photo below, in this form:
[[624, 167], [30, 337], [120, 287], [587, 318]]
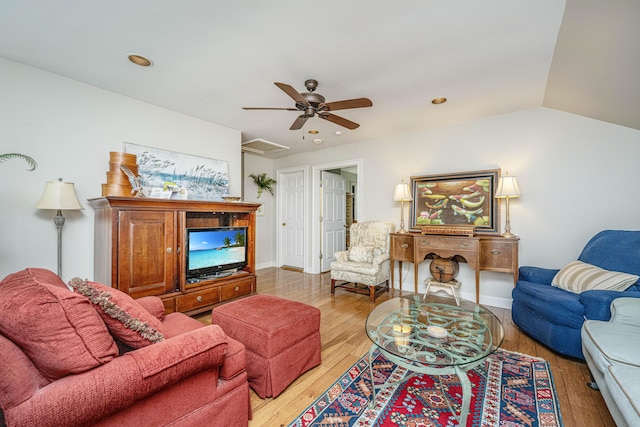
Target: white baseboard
[[488, 300], [265, 265]]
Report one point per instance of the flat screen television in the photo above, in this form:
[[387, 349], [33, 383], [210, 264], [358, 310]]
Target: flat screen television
[[214, 251]]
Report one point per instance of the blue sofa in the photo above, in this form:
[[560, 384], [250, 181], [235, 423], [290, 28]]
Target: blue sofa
[[554, 316]]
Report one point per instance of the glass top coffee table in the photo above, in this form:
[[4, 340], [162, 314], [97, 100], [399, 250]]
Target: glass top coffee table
[[434, 338]]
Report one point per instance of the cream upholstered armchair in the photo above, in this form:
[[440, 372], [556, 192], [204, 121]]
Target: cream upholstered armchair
[[364, 267]]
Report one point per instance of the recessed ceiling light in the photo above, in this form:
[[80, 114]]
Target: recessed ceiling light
[[440, 100], [313, 131], [338, 133], [317, 141], [139, 60]]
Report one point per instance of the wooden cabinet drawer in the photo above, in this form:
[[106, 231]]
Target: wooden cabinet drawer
[[401, 247], [197, 299], [456, 244], [239, 288], [498, 255]]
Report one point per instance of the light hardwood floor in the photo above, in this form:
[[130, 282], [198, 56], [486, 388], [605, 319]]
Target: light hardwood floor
[[344, 341]]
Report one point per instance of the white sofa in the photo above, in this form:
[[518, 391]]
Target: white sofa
[[612, 351]]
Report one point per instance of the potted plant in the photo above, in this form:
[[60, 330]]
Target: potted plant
[[263, 182], [30, 161]]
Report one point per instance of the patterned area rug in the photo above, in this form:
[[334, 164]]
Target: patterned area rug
[[509, 390]]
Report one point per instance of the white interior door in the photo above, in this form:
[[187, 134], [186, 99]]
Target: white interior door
[[292, 233], [333, 221]]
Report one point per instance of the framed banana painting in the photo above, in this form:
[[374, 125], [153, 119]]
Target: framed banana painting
[[464, 200]]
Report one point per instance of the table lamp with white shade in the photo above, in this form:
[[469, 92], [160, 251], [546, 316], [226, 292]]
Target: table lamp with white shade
[[507, 189], [59, 195], [402, 194]]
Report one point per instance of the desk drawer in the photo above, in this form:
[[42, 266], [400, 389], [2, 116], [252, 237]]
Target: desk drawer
[[447, 243], [197, 299], [499, 255], [402, 247]]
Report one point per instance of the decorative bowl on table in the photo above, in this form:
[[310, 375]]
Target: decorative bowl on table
[[437, 331]]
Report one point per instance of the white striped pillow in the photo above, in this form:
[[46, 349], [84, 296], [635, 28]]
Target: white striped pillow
[[578, 276]]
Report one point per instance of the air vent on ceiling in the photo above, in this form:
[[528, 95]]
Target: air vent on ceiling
[[262, 146]]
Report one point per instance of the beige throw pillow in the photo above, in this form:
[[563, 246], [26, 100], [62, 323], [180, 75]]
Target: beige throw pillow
[[361, 253], [578, 276]]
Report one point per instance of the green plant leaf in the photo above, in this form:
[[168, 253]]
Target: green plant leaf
[[263, 182], [30, 161]]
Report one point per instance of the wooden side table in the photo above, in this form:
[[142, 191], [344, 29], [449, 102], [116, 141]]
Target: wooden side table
[[493, 253]]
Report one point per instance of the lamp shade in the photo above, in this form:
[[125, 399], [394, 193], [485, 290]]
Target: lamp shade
[[507, 187], [402, 193], [59, 195]]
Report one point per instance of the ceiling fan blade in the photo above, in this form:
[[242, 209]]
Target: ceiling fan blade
[[348, 103], [339, 120], [298, 123], [289, 90], [269, 108]]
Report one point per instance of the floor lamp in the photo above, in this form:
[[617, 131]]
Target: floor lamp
[[507, 189], [402, 194], [59, 196]]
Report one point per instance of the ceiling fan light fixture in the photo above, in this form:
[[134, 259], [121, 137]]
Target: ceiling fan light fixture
[[139, 60], [309, 112], [439, 100]]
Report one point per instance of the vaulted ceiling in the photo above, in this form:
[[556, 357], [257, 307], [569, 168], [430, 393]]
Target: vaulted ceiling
[[211, 58]]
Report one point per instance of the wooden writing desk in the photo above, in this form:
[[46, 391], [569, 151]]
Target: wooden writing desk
[[490, 252]]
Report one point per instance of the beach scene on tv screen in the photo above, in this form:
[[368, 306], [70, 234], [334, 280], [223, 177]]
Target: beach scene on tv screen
[[208, 248]]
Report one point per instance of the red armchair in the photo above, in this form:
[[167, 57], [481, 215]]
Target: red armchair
[[195, 376]]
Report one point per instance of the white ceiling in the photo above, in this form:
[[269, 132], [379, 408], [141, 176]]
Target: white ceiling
[[213, 57]]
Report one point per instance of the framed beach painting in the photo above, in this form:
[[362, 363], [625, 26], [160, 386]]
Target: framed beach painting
[[464, 200], [201, 177]]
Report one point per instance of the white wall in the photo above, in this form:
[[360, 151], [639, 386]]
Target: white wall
[[265, 225], [70, 128], [577, 176]]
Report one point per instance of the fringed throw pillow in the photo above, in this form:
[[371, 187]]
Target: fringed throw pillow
[[127, 320]]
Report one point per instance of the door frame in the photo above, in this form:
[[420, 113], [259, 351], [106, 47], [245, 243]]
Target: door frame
[[316, 203], [280, 174]]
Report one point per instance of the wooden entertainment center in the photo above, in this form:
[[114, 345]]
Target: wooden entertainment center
[[140, 249]]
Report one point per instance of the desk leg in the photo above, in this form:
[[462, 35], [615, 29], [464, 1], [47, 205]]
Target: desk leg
[[478, 286], [415, 277], [392, 266]]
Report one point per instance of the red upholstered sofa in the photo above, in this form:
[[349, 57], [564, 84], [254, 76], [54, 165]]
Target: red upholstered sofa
[[62, 366]]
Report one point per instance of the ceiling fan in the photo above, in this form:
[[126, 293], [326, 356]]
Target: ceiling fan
[[311, 104]]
